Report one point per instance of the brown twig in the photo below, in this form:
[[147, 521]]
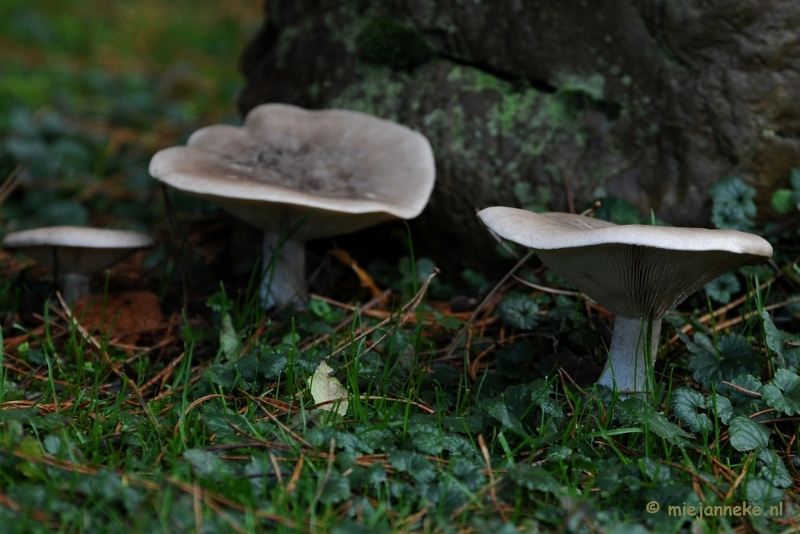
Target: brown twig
[[401, 317], [488, 460], [739, 478], [298, 469], [545, 288], [741, 389], [358, 310], [721, 311], [486, 299], [12, 182]]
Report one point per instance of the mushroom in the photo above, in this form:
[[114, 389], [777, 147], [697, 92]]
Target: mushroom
[[76, 251], [638, 272], [300, 175]]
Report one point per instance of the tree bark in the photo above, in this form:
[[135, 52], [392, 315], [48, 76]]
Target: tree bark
[[550, 105]]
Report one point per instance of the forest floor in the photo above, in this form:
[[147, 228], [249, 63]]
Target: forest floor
[[398, 400]]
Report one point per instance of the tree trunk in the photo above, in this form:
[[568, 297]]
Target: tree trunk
[[550, 105]]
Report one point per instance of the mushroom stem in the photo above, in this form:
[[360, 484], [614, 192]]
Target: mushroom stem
[[631, 357], [74, 286], [284, 271]]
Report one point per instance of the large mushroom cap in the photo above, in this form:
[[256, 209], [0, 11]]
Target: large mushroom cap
[[349, 169], [77, 249], [633, 270]]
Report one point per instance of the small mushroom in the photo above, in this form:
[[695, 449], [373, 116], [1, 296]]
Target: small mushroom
[[638, 272], [76, 251], [300, 175]]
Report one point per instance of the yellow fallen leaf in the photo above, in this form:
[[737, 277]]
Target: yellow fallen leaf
[[325, 387], [229, 339]]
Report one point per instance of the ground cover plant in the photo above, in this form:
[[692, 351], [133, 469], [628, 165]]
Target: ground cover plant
[[170, 401]]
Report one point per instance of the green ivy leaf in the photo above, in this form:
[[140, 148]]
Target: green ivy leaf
[[747, 435], [783, 393], [618, 211], [414, 464], [219, 424], [376, 474], [786, 380], [456, 444], [468, 474], [737, 349], [783, 201], [272, 362], [206, 464], [720, 406], [747, 382], [320, 436], [636, 410], [541, 393], [508, 420], [534, 479], [774, 469], [322, 309], [223, 374], [468, 424], [685, 404], [446, 321], [336, 488], [518, 399], [608, 480], [319, 328], [702, 344], [773, 335], [737, 358], [427, 439], [30, 447], [376, 438], [705, 368], [733, 205], [218, 303], [558, 452], [519, 310], [723, 287], [761, 493], [247, 366], [655, 471], [552, 413]]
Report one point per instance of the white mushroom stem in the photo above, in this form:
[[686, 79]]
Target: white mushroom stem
[[284, 271], [74, 286], [631, 357]]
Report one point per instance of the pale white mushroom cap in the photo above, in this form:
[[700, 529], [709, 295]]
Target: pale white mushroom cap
[[632, 269], [348, 169], [77, 249]]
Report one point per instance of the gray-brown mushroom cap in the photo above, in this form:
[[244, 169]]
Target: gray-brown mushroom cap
[[77, 249], [336, 171], [633, 270], [303, 175]]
